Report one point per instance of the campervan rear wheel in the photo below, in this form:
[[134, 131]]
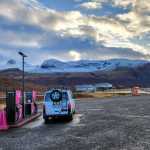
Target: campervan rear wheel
[[46, 120]]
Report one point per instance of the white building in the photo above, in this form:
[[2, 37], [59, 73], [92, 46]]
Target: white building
[[85, 88]]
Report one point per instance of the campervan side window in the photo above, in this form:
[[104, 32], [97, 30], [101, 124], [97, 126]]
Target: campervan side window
[[65, 95]]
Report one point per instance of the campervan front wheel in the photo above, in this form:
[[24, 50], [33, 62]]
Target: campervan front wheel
[[70, 117]]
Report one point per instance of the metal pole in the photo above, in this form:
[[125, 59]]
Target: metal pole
[[23, 86], [23, 83]]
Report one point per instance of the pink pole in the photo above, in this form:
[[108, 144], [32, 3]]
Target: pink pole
[[18, 97]]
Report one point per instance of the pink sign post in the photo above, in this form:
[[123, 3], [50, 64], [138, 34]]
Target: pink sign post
[[19, 114], [34, 95]]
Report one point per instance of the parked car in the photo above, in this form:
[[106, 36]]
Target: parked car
[[58, 103]]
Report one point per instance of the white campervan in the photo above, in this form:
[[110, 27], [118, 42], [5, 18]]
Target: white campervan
[[58, 103]]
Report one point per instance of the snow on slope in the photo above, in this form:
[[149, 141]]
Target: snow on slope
[[52, 65]]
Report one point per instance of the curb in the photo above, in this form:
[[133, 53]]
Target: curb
[[25, 121]]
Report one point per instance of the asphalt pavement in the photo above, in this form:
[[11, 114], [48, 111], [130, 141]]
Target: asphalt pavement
[[118, 123]]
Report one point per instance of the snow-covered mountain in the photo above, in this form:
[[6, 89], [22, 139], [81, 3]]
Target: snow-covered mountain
[[53, 65], [11, 63]]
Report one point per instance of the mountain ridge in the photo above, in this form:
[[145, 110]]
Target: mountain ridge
[[54, 65]]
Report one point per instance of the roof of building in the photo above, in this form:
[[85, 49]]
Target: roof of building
[[103, 85]]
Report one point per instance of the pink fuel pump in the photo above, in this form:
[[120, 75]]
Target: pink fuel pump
[[12, 115], [3, 120]]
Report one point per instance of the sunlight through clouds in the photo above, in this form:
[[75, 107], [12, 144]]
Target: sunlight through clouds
[[75, 55]]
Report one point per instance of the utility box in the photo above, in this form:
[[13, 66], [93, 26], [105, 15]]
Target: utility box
[[30, 103], [136, 91]]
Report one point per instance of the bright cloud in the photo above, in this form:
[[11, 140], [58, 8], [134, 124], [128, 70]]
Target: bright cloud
[[138, 20], [90, 5]]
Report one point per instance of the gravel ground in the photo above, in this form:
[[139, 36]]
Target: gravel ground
[[119, 123]]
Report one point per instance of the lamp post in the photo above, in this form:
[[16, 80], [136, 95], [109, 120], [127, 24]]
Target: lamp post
[[23, 57]]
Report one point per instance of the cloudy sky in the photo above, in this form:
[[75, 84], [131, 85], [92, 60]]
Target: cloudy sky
[[75, 29]]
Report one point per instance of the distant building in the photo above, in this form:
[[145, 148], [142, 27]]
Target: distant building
[[92, 88], [85, 88], [103, 86]]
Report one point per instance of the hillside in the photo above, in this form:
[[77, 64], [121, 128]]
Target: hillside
[[122, 77]]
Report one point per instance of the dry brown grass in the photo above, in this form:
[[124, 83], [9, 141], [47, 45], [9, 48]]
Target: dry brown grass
[[2, 105], [2, 101], [99, 94]]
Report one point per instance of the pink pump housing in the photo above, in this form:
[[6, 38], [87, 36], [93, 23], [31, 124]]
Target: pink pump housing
[[34, 95], [3, 120]]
